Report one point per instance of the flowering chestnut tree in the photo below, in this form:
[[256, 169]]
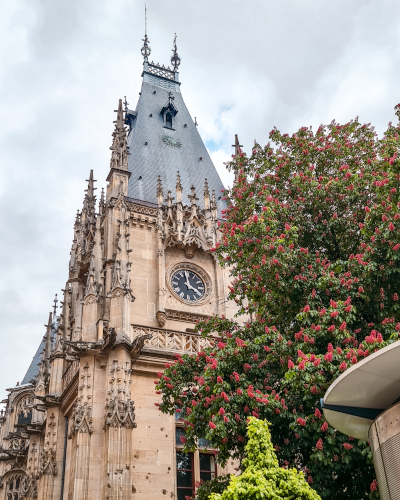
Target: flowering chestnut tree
[[311, 235]]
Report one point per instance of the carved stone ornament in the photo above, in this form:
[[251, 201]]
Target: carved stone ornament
[[185, 316], [81, 419], [101, 346], [142, 209], [47, 463], [183, 266], [161, 318], [120, 413]]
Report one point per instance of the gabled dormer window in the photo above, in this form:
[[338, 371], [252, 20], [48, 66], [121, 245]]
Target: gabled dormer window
[[169, 112]]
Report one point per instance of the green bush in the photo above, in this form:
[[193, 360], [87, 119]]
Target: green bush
[[262, 477]]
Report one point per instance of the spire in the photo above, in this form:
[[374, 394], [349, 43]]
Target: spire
[[119, 148], [89, 202], [237, 146], [175, 59], [55, 307], [43, 375], [146, 51], [102, 203]]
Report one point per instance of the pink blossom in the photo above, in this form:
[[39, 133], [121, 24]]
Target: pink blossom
[[302, 365], [347, 446], [324, 427], [212, 425], [240, 342], [319, 444]]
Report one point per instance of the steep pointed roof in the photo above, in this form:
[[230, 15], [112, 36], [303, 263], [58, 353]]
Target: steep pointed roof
[[157, 150]]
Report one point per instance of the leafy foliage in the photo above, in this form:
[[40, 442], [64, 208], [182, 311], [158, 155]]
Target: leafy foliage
[[311, 236], [262, 477]]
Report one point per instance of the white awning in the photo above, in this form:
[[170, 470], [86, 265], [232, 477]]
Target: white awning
[[363, 391]]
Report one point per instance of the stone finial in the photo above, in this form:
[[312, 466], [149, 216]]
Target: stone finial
[[169, 199], [214, 205], [89, 201], [175, 59], [237, 146], [160, 195], [192, 197], [178, 182], [77, 218], [55, 307], [102, 203], [146, 51], [178, 188], [119, 147], [48, 346], [206, 196]]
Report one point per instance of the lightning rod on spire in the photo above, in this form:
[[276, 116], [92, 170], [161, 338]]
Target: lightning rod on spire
[[146, 51]]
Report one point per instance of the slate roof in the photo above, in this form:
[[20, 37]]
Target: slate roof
[[147, 162], [33, 369]]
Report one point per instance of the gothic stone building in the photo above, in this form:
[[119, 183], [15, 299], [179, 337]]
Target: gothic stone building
[[83, 423]]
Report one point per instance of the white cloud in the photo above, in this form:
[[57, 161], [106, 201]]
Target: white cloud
[[246, 66]]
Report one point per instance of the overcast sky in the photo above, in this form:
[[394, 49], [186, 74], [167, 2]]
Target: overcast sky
[[246, 66]]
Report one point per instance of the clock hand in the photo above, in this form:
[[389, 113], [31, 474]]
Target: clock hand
[[189, 285], [192, 288]]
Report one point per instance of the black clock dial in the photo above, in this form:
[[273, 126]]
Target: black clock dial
[[188, 285]]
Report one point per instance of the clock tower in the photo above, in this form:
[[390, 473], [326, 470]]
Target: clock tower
[[84, 423]]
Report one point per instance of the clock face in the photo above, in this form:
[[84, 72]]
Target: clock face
[[188, 285], [171, 141]]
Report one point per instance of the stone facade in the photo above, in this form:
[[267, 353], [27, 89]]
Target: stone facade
[[86, 426]]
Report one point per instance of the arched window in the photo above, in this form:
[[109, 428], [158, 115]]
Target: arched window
[[24, 411], [15, 487], [168, 120]]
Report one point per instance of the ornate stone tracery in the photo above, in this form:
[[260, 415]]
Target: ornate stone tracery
[[81, 419], [47, 463]]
